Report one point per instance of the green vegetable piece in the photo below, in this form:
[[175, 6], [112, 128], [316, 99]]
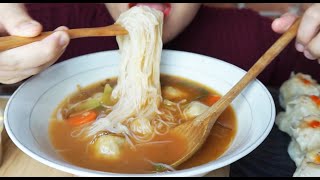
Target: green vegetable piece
[[106, 97], [159, 168], [87, 105]]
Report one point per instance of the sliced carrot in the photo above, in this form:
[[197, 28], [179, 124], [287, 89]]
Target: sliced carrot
[[314, 124], [211, 99], [315, 99], [305, 81], [82, 118]]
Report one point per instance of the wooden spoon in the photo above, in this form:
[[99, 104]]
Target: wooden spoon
[[197, 131], [9, 42]]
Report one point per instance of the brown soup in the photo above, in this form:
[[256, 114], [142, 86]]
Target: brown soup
[[160, 149]]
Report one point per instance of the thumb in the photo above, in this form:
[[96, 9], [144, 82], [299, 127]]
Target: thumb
[[282, 24], [15, 19]]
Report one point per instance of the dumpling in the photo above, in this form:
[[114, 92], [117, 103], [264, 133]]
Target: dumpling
[[313, 157], [296, 110], [307, 170], [108, 147], [310, 166], [172, 93], [295, 152], [283, 122], [299, 96], [307, 133], [194, 109], [298, 84]]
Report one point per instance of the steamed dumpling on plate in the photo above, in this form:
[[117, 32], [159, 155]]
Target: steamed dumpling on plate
[[307, 133], [310, 166], [295, 152], [296, 110], [298, 84], [300, 97], [308, 163], [307, 170]]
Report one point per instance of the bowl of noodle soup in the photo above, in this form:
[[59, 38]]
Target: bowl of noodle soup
[[28, 115], [113, 113]]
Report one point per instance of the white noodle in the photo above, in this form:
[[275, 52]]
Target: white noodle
[[105, 106], [171, 124], [154, 142], [78, 131], [129, 141], [161, 164], [143, 139], [224, 126], [62, 150], [179, 109], [138, 87], [182, 112], [182, 101], [59, 114], [71, 106], [169, 116], [161, 121], [161, 133], [101, 115], [170, 108]]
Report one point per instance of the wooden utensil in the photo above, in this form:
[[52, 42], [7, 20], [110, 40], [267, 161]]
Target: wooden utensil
[[197, 130], [9, 42]]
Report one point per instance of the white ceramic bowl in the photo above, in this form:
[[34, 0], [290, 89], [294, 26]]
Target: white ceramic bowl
[[29, 108]]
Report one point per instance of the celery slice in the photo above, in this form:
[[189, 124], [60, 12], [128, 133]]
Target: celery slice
[[106, 97], [86, 105]]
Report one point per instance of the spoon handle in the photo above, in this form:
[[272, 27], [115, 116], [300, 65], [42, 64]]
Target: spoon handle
[[255, 70], [9, 42]]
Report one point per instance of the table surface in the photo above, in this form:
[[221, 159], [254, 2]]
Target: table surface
[[16, 163]]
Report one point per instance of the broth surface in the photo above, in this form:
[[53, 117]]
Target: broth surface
[[164, 149]]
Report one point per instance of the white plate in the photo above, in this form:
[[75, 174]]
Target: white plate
[[29, 108]]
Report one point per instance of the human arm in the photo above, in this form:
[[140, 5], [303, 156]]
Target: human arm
[[22, 62]]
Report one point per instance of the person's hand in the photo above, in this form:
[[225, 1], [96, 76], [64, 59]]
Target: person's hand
[[22, 62], [308, 37]]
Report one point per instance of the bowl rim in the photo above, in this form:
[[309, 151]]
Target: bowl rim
[[201, 169]]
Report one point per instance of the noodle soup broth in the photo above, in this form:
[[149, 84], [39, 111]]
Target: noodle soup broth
[[182, 100]]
